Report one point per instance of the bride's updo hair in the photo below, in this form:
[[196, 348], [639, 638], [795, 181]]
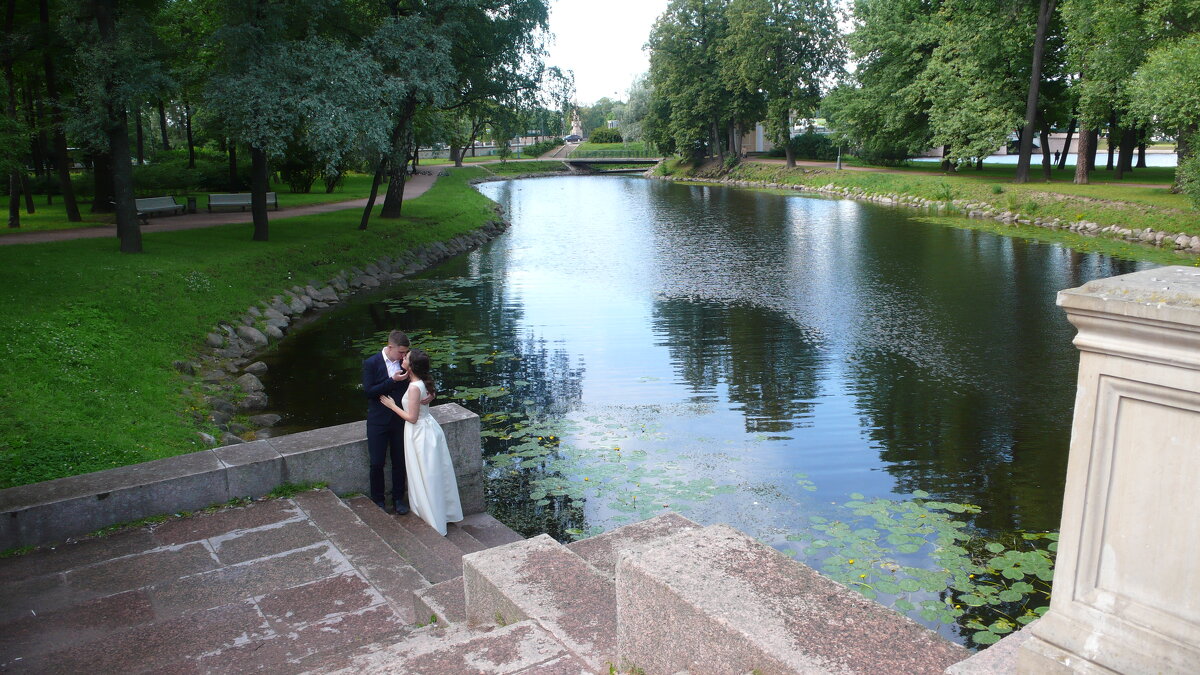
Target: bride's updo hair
[[418, 363]]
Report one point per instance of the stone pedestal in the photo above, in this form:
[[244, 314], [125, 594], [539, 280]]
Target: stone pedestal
[[1127, 580]]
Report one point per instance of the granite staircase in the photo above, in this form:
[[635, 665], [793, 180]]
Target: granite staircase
[[319, 584]]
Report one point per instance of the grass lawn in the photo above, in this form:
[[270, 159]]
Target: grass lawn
[[1101, 202], [629, 149], [517, 168], [54, 216], [86, 380]]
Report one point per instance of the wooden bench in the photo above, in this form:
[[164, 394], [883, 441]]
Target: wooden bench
[[241, 200], [152, 206]]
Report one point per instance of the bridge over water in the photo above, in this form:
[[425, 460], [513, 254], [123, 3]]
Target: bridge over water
[[593, 164]]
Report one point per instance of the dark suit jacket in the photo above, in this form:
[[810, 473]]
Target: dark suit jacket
[[376, 383]]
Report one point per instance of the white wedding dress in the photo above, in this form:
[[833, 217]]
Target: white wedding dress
[[432, 487]]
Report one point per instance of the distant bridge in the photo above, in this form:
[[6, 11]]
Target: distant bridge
[[591, 164]]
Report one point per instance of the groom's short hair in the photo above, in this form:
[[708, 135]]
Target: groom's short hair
[[397, 338]]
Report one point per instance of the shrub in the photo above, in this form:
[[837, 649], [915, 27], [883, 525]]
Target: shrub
[[299, 168], [809, 145], [540, 148], [605, 135], [1187, 177]]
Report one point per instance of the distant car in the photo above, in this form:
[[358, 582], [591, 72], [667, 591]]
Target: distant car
[[573, 138]]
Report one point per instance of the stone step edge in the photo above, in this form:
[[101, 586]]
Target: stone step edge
[[443, 602], [543, 580], [432, 567], [368, 552]]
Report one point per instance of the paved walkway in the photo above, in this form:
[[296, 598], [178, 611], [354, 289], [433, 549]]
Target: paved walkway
[[414, 187]]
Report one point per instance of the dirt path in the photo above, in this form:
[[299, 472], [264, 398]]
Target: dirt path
[[414, 187]]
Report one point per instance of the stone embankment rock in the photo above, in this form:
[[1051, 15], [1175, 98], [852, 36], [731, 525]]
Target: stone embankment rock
[[1178, 241], [228, 379]]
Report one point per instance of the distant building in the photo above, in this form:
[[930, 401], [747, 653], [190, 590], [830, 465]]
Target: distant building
[[612, 124]]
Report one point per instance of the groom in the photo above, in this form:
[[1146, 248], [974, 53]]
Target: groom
[[383, 374]]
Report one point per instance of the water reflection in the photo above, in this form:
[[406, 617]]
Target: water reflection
[[702, 346]]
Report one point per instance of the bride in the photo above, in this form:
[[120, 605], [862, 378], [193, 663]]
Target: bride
[[432, 487]]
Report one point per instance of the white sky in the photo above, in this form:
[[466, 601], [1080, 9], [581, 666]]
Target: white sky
[[602, 43]]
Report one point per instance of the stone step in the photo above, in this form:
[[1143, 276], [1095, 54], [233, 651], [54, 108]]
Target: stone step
[[737, 605], [542, 580], [446, 601], [602, 550], [435, 566], [488, 531], [519, 648], [463, 539], [240, 588], [363, 547], [440, 545]]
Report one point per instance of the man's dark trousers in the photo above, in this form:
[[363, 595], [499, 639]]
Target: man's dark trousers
[[385, 430]]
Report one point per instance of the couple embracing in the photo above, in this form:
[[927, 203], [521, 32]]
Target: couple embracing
[[399, 389]]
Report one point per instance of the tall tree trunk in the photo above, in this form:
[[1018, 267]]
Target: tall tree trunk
[[979, 164], [102, 183], [1044, 136], [37, 120], [1143, 136], [259, 182], [141, 138], [456, 155], [1125, 150], [234, 183], [785, 139], [14, 176], [1062, 159], [162, 124], [1113, 139], [1035, 83], [380, 170], [1093, 148], [400, 148], [62, 160], [116, 128], [945, 158], [187, 125], [1086, 139]]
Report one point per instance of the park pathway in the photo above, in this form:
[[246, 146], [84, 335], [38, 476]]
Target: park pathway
[[414, 187]]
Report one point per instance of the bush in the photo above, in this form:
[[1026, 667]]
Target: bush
[[1187, 177], [605, 135], [809, 145], [540, 148]]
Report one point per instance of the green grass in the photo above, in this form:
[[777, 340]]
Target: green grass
[[1104, 203], [54, 217], [517, 168], [86, 381], [629, 149]]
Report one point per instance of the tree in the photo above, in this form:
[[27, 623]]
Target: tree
[[1045, 10], [786, 49], [685, 58], [883, 110], [1166, 90]]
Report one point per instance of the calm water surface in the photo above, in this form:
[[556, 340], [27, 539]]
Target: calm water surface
[[738, 356]]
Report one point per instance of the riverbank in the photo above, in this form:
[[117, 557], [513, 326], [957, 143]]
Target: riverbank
[[91, 375], [1145, 223]]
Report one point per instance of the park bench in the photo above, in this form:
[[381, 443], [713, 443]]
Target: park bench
[[150, 206], [240, 200]]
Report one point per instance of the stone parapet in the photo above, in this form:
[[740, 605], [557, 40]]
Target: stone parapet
[[53, 511], [1126, 594], [715, 600]]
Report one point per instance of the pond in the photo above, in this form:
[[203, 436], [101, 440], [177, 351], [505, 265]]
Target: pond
[[738, 356]]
